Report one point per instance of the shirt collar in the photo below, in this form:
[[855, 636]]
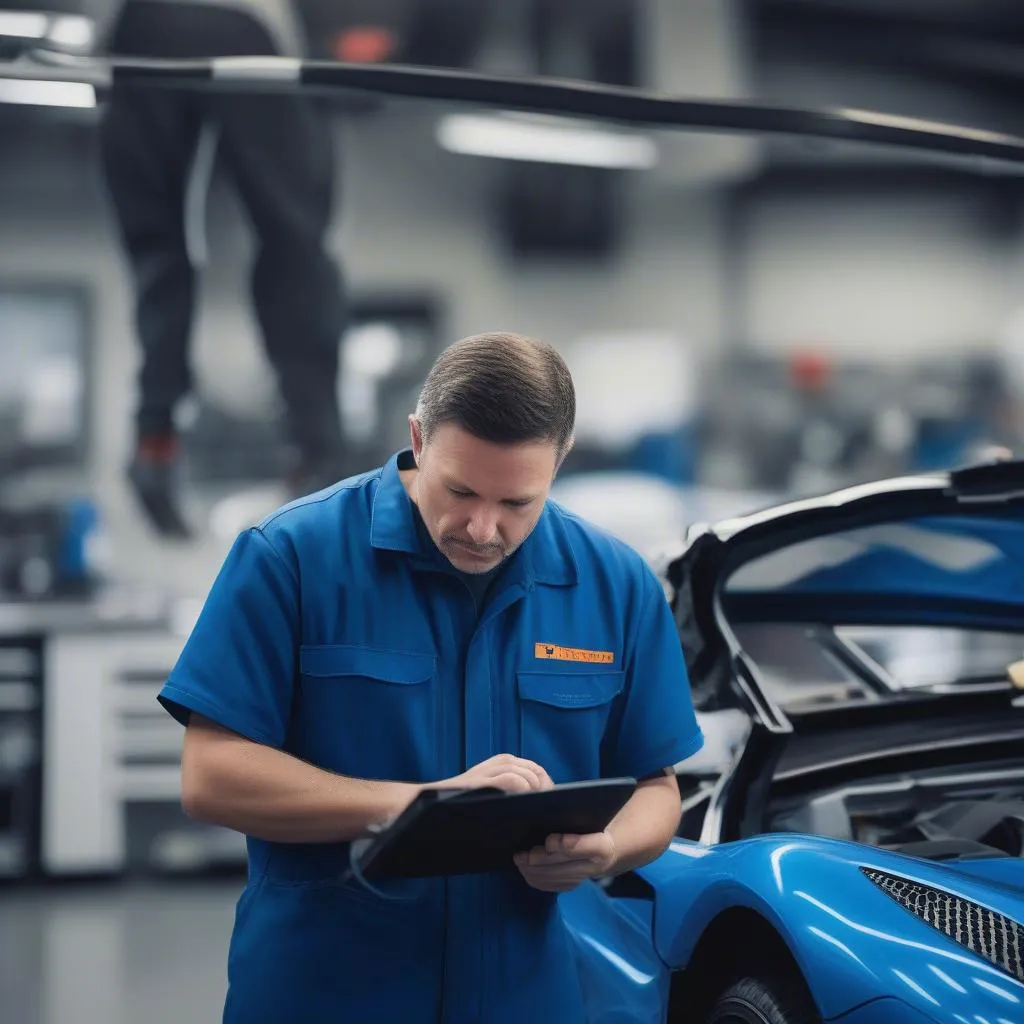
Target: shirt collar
[[392, 527], [548, 552], [546, 556]]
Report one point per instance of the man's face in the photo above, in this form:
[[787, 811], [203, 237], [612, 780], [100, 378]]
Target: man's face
[[479, 500]]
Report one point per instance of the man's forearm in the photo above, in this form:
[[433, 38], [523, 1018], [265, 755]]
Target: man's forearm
[[229, 780], [646, 825]]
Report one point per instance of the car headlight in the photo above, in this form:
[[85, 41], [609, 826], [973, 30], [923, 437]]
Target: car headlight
[[985, 933]]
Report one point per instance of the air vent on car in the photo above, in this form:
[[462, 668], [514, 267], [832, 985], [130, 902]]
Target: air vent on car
[[985, 933]]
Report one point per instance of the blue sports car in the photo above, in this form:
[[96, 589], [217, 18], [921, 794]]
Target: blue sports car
[[860, 859]]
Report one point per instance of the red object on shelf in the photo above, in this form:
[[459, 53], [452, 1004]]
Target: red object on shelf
[[809, 370], [364, 44]]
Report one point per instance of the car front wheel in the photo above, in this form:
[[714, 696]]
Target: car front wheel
[[753, 1001]]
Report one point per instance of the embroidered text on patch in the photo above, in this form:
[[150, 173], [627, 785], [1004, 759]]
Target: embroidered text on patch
[[554, 653]]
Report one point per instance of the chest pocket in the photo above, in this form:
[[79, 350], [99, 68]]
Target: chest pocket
[[562, 719], [369, 712]]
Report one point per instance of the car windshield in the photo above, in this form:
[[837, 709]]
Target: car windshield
[[963, 570], [923, 602], [803, 666]]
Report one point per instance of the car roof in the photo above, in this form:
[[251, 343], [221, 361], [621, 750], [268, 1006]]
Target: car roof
[[939, 550]]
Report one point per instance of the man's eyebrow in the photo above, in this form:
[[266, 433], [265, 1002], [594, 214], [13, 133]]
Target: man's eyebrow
[[454, 484]]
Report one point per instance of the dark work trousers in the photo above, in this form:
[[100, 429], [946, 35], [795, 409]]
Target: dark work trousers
[[277, 149]]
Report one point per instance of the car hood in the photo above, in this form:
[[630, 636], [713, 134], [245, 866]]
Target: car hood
[[942, 549], [1003, 872], [859, 921]]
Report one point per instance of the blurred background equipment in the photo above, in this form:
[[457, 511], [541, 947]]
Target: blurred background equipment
[[384, 353], [51, 533], [749, 318]]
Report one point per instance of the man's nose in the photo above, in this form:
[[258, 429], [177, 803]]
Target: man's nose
[[482, 527]]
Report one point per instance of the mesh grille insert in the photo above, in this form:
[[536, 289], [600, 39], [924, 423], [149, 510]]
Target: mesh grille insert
[[984, 932]]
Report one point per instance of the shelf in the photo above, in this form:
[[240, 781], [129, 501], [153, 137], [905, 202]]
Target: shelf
[[18, 662], [149, 782], [135, 699], [18, 697], [149, 738], [12, 856]]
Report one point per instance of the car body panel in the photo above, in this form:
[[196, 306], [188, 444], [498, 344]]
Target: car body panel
[[970, 558], [891, 1011], [1008, 871], [852, 942], [866, 961], [940, 548], [624, 979]]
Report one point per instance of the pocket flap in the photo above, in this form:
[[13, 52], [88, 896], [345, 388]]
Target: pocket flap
[[571, 689], [337, 660]]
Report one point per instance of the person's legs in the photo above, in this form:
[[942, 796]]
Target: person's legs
[[147, 140], [147, 143], [279, 150]]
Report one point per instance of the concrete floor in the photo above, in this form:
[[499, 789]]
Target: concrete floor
[[115, 953]]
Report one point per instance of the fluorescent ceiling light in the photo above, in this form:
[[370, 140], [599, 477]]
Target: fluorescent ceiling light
[[65, 31], [70, 32], [22, 25], [544, 140], [47, 94]]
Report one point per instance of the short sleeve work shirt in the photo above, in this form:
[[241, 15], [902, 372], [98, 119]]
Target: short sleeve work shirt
[[336, 631]]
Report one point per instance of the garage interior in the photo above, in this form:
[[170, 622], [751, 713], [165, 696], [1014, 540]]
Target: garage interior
[[750, 318]]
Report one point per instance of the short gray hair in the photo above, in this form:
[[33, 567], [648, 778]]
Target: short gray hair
[[503, 388]]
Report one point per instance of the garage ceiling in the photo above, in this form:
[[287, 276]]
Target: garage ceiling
[[970, 14]]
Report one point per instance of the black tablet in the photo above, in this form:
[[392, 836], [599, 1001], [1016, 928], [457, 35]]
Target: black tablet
[[458, 832]]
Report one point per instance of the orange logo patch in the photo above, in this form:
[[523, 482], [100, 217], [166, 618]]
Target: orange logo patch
[[553, 653]]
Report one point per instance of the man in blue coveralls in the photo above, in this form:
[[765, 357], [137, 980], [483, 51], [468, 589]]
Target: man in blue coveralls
[[437, 621]]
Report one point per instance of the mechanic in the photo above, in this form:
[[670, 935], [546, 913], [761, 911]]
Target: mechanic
[[278, 149], [437, 621]]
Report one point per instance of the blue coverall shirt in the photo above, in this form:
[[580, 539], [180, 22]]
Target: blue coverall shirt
[[337, 632]]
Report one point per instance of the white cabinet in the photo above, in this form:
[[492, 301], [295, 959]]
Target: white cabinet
[[110, 751], [20, 757]]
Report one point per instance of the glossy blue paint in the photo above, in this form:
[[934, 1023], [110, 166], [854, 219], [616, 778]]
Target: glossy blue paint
[[624, 979], [1008, 871], [887, 1011], [863, 956], [915, 561]]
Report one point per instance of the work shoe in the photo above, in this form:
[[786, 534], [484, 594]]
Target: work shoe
[[154, 476]]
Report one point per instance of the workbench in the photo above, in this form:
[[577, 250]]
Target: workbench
[[89, 761]]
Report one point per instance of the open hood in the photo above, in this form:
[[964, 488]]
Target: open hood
[[942, 551]]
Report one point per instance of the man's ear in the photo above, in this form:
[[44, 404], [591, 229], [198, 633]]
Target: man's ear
[[415, 437]]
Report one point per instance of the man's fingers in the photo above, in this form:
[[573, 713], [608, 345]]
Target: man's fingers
[[541, 858], [537, 773], [553, 877], [586, 847], [503, 770], [512, 782], [506, 761], [534, 776]]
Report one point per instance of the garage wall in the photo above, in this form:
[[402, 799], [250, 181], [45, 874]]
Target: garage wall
[[412, 220], [874, 276], [871, 276]]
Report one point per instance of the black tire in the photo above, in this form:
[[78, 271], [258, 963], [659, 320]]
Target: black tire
[[753, 1001]]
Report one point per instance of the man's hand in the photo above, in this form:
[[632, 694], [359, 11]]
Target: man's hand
[[564, 861], [504, 771]]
